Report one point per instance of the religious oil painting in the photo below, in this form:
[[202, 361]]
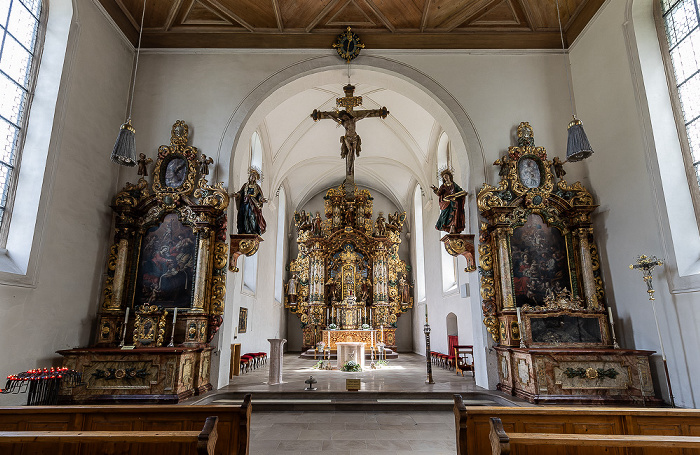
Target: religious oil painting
[[175, 172], [243, 320], [167, 265], [540, 264]]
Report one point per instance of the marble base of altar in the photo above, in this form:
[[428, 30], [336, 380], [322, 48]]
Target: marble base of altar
[[577, 376], [163, 375], [348, 350]]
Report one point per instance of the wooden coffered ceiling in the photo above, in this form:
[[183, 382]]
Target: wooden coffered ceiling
[[381, 24]]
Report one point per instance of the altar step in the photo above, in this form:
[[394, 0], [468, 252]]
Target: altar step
[[357, 401], [311, 354]]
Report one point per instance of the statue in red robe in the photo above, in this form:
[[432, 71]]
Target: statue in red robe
[[452, 219]]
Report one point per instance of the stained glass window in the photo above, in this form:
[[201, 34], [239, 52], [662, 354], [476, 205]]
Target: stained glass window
[[681, 18], [19, 28]]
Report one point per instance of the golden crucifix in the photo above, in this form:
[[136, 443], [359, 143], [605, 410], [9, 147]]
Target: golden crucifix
[[350, 143]]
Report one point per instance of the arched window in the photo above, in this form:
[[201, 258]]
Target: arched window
[[420, 253], [448, 263], [256, 151], [682, 22], [279, 253], [20, 28], [250, 267]]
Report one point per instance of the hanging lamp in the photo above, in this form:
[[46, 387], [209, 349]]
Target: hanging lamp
[[577, 147], [124, 152]]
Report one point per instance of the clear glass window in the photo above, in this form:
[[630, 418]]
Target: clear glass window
[[681, 19], [19, 30]]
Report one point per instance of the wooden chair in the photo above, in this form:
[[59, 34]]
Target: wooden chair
[[464, 359]]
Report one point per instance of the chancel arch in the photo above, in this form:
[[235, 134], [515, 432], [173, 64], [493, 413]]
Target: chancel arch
[[419, 106]]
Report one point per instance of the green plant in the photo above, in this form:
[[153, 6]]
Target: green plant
[[365, 327], [351, 365], [382, 363], [332, 326]]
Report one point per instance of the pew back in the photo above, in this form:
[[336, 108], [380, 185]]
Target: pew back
[[233, 428], [472, 427]]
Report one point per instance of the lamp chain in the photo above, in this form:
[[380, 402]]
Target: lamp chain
[[136, 65], [566, 63]]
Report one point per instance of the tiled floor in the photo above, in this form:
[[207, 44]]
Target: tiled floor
[[407, 374], [355, 433]]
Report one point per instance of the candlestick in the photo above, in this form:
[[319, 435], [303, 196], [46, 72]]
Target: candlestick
[[426, 312], [126, 320], [172, 336], [612, 329], [520, 328]]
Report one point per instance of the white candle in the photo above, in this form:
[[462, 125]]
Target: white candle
[[610, 314], [372, 338], [382, 333], [126, 320], [174, 317], [520, 322]]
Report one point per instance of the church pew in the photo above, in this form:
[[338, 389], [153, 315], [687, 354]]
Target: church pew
[[472, 427], [501, 441], [233, 427], [203, 441]]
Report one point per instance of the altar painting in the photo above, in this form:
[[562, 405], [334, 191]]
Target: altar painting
[[166, 264], [540, 265]]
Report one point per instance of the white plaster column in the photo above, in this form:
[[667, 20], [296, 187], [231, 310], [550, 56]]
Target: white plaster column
[[276, 356]]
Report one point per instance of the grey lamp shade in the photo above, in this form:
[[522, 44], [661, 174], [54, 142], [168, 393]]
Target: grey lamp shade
[[124, 152], [577, 148]]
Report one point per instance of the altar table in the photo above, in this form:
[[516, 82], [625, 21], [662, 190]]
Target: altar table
[[348, 350], [369, 338]]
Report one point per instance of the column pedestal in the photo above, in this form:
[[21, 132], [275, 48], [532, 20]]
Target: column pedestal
[[276, 352]]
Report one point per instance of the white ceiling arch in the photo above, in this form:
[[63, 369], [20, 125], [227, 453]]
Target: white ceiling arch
[[396, 151]]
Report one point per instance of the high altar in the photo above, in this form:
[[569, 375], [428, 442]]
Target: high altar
[[348, 272], [542, 288]]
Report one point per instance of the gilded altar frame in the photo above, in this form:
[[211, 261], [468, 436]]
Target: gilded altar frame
[[530, 187], [349, 240], [181, 194]]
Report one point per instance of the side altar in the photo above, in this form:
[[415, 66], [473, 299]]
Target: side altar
[[542, 290], [348, 274], [164, 288]]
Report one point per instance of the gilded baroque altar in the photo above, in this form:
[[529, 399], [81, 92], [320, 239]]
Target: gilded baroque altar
[[164, 287], [542, 290], [348, 272]]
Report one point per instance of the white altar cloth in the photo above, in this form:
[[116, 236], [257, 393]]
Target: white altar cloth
[[350, 350]]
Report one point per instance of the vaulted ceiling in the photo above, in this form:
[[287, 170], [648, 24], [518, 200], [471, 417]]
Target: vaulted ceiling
[[381, 24]]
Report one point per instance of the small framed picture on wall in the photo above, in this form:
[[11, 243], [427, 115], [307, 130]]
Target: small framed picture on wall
[[243, 320]]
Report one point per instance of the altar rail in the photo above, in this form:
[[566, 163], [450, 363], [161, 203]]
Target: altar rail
[[472, 427], [233, 428]]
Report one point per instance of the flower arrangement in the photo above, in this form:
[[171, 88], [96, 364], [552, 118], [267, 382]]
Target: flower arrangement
[[351, 365], [332, 326], [365, 327]]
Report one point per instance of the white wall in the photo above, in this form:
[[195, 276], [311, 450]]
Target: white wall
[[58, 312], [208, 89], [614, 96]]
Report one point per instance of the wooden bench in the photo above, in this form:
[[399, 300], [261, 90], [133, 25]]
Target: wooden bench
[[123, 429], [501, 441], [204, 440], [472, 425]]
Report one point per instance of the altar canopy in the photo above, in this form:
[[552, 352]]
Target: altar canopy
[[348, 268]]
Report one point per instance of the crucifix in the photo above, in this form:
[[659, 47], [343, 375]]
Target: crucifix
[[350, 143]]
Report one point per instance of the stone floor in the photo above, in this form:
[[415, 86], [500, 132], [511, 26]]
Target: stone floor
[[416, 429], [355, 433]]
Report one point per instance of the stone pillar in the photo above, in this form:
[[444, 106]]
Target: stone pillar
[[589, 289], [276, 356], [504, 265]]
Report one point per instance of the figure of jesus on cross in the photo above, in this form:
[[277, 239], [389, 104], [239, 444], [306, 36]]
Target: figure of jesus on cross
[[350, 144]]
